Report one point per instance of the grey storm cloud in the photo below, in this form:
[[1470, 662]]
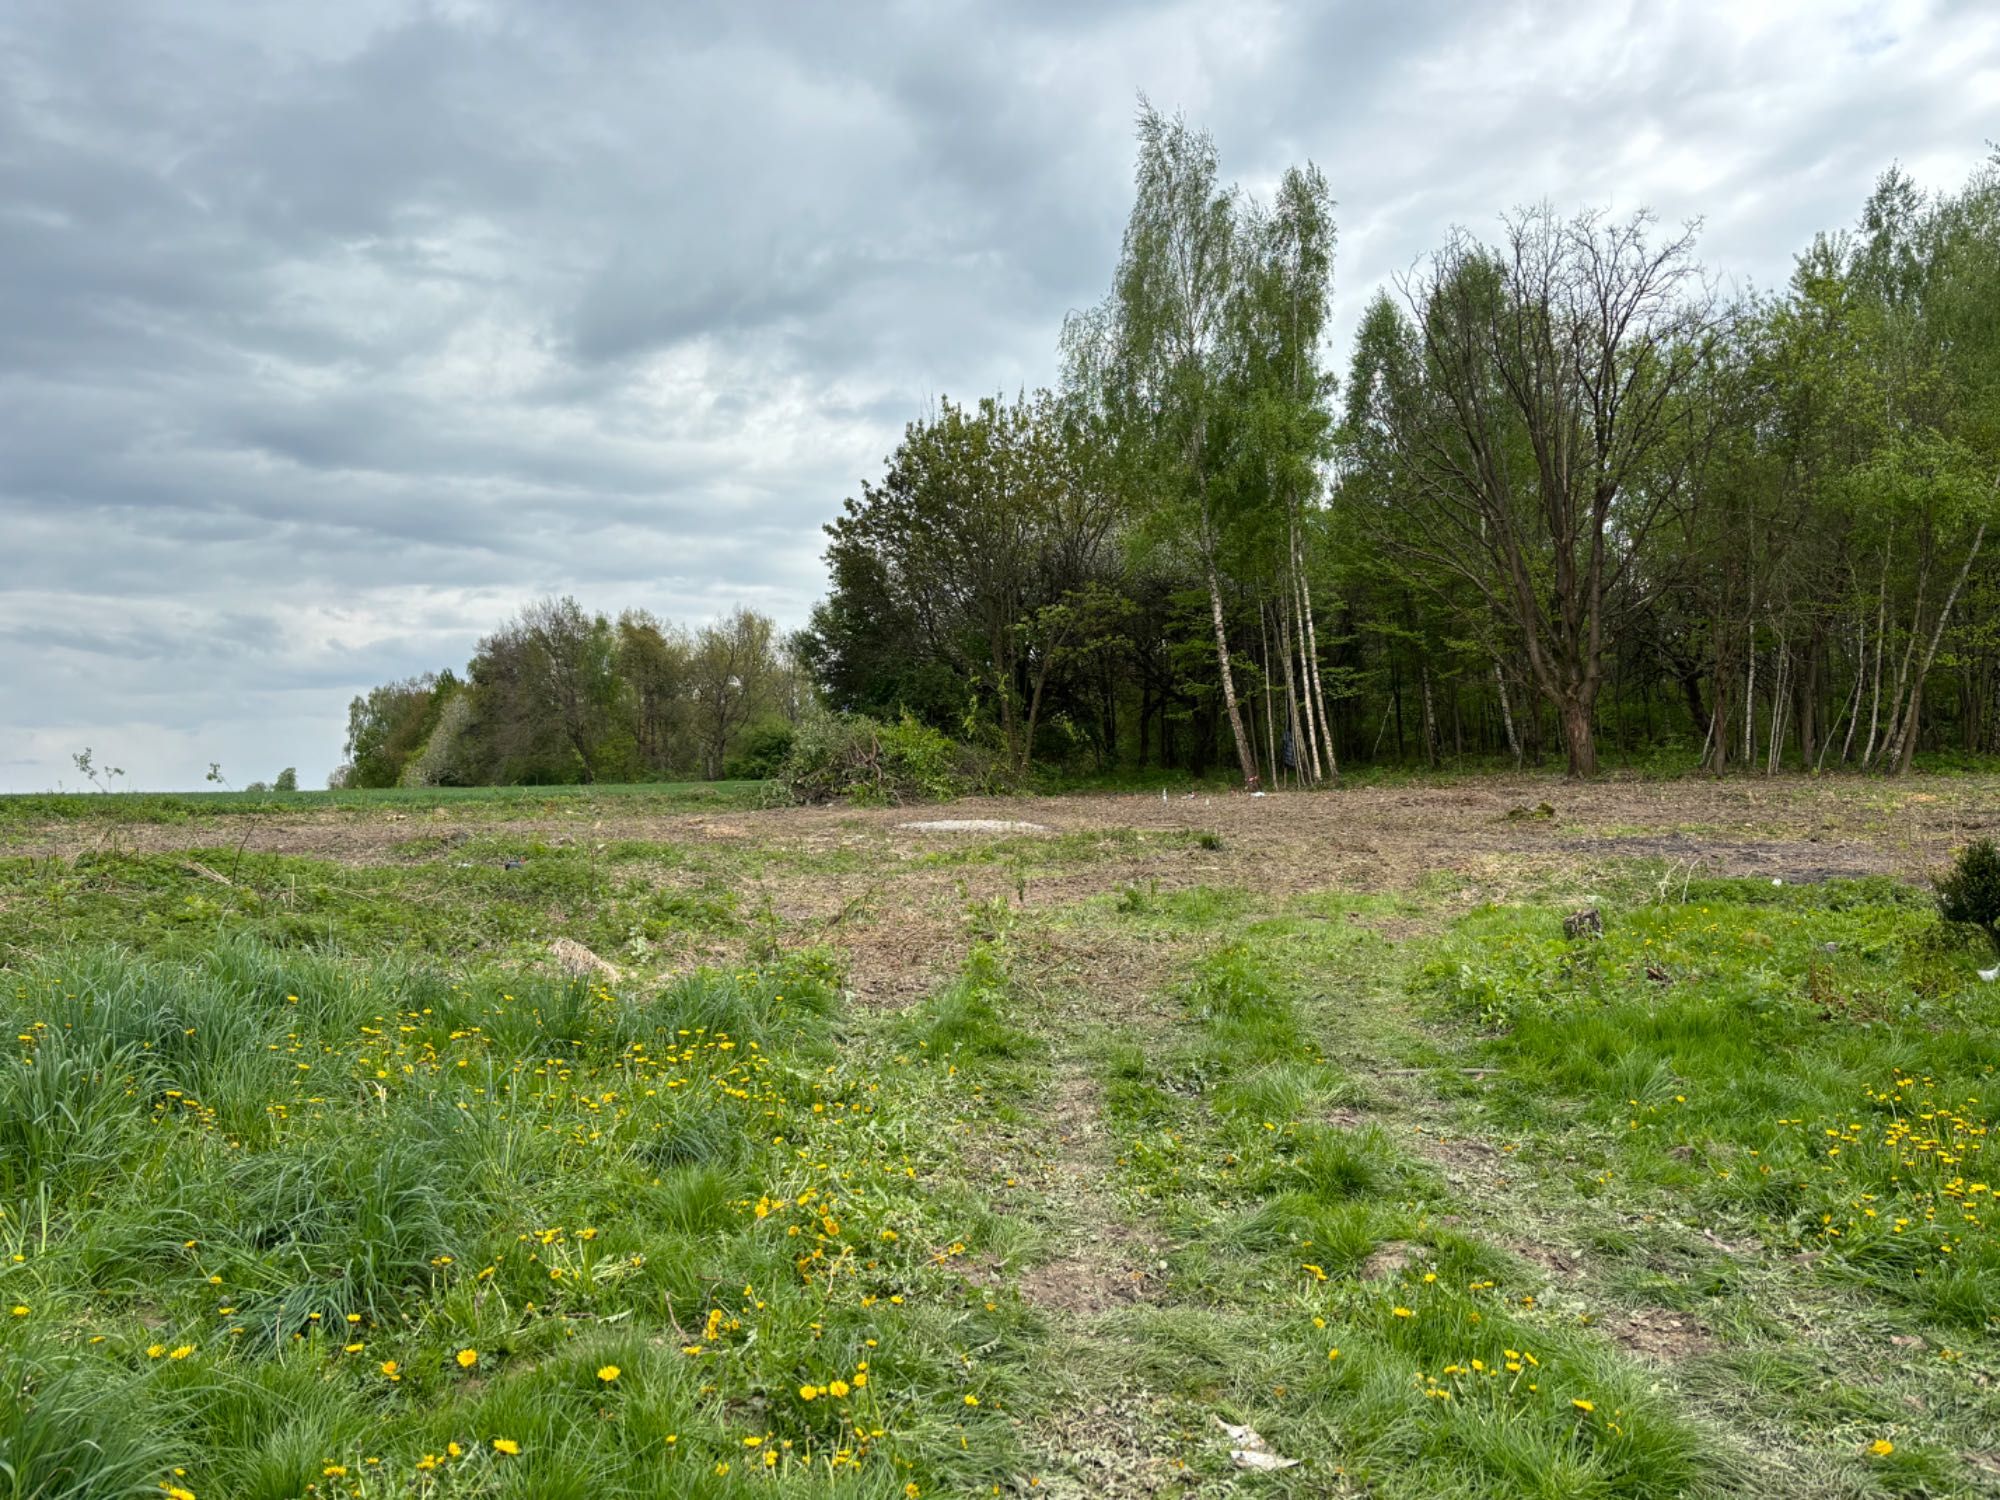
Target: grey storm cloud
[[330, 335]]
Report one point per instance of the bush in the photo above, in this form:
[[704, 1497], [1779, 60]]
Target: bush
[[1969, 892], [864, 760], [759, 754]]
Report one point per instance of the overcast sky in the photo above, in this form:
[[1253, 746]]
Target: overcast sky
[[331, 334]]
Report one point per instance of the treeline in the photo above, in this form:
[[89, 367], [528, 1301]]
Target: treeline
[[1566, 496], [559, 696], [1566, 500]]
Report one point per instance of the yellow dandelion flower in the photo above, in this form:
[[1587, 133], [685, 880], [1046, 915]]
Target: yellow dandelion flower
[[609, 1373], [467, 1358], [971, 1400], [507, 1446], [837, 1389], [1582, 1405], [808, 1392], [1881, 1447], [181, 1352]]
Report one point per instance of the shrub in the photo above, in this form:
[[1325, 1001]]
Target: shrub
[[862, 759], [759, 754], [1969, 892]]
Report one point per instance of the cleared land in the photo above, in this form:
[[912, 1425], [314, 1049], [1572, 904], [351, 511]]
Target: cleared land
[[892, 1161]]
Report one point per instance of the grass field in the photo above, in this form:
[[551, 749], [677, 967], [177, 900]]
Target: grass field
[[885, 1162]]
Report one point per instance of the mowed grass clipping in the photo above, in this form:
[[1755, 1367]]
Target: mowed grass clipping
[[276, 1223]]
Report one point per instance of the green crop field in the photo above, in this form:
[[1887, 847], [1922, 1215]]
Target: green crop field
[[648, 1141]]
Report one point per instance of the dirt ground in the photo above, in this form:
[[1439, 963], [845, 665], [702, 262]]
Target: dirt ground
[[1792, 826], [858, 878]]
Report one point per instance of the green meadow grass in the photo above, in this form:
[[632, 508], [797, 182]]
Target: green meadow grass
[[315, 1182], [26, 809], [282, 1222]]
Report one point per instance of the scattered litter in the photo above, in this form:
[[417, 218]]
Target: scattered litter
[[976, 825], [1777, 880], [576, 959], [512, 864], [1249, 1451], [1989, 975], [1260, 794]]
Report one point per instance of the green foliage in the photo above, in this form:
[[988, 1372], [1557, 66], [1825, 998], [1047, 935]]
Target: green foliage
[[861, 759], [760, 753], [1969, 892]]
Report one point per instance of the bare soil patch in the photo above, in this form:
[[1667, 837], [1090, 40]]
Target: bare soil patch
[[1101, 1262], [1661, 1335]]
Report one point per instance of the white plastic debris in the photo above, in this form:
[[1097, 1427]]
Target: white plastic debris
[[1989, 975], [1776, 881], [1249, 1451]]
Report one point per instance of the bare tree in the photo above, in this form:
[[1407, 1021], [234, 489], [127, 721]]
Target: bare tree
[[733, 671], [1546, 422]]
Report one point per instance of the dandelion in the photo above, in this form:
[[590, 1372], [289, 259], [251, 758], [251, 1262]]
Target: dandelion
[[1404, 1312], [609, 1373], [1585, 1406], [1881, 1447], [467, 1358], [808, 1393], [175, 1492], [182, 1352], [971, 1400], [352, 1348], [390, 1367], [20, 1309], [507, 1446], [154, 1351], [911, 1491], [334, 1471], [1333, 1354], [837, 1389]]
